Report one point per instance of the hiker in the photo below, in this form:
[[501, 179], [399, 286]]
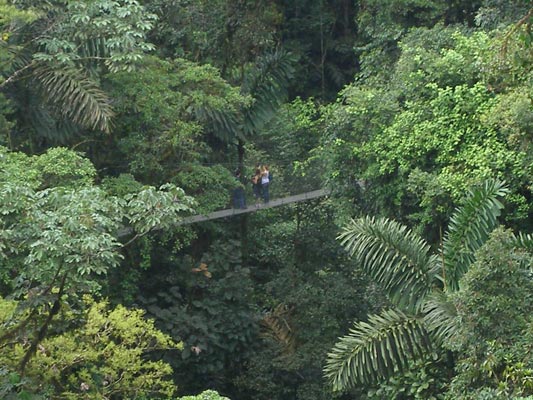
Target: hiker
[[265, 183], [256, 184], [239, 201]]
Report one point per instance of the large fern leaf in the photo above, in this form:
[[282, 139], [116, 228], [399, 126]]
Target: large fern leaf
[[46, 125], [440, 315], [469, 229], [395, 257], [524, 241], [76, 97], [225, 125], [376, 349], [267, 83]]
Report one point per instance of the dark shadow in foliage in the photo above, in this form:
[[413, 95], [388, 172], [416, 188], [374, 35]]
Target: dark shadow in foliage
[[207, 304]]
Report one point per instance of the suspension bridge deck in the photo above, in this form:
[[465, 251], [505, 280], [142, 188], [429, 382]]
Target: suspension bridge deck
[[253, 208], [237, 211]]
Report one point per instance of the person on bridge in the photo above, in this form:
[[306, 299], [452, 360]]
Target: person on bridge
[[239, 200], [265, 183], [256, 184]]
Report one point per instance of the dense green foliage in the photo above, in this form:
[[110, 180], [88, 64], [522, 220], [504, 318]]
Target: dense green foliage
[[419, 140], [100, 356], [119, 118], [401, 263], [494, 309]]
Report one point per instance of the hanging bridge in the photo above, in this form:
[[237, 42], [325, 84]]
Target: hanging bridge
[[250, 209], [253, 208]]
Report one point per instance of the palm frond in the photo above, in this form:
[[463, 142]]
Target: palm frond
[[93, 47], [45, 125], [91, 51], [276, 325], [376, 349], [524, 241], [395, 257], [16, 62], [76, 97], [225, 125], [469, 229], [267, 83], [440, 316]]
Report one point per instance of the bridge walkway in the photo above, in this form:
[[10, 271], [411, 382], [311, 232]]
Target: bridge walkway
[[253, 208]]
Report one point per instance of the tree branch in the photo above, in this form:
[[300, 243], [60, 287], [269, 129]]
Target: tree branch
[[15, 74], [44, 328], [522, 21]]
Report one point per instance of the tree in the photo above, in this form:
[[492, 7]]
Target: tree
[[226, 34], [382, 24], [305, 298], [94, 353], [206, 303], [452, 113], [59, 233], [55, 59], [322, 35], [207, 395], [170, 114], [417, 283], [494, 308], [240, 39]]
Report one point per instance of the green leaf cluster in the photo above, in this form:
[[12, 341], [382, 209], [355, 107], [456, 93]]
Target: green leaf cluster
[[10, 13], [53, 74], [110, 30], [166, 110], [308, 294], [414, 143], [58, 167], [104, 355], [494, 306], [419, 285], [206, 304], [207, 395], [57, 243]]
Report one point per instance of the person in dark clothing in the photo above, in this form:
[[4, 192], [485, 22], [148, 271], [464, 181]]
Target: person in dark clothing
[[256, 185], [239, 200]]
